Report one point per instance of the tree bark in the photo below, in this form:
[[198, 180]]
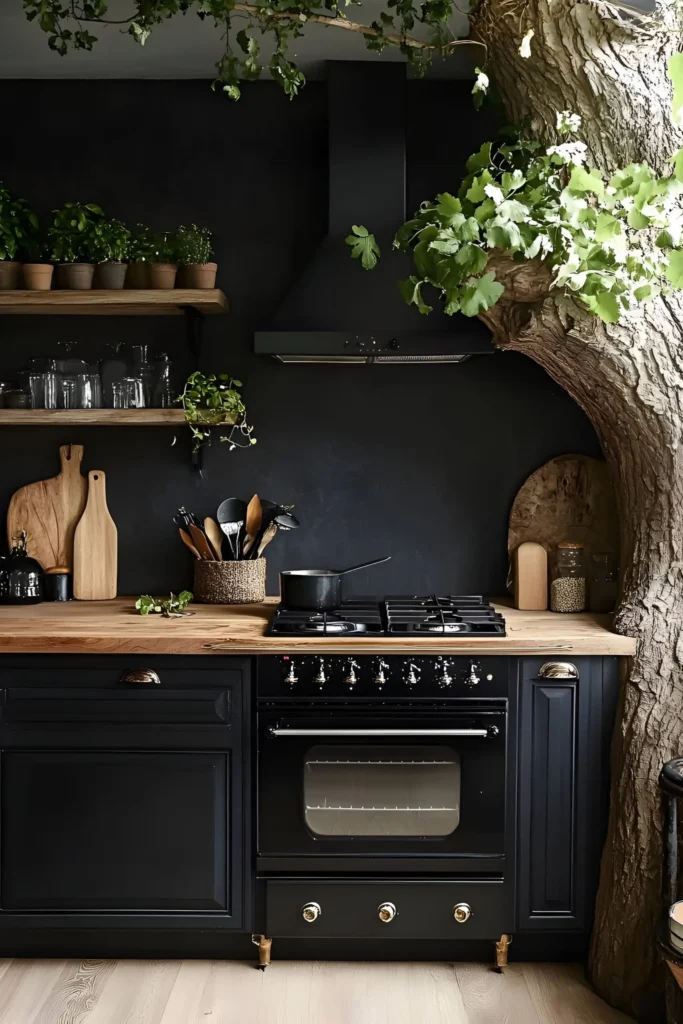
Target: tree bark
[[628, 377]]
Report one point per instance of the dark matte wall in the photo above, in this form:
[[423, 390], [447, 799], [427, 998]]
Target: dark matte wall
[[418, 462]]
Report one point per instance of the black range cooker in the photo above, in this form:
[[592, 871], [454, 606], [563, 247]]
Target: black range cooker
[[385, 773]]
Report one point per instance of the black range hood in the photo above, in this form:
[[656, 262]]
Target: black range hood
[[336, 311]]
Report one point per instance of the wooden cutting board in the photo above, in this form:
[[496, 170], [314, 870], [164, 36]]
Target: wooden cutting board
[[569, 498], [95, 545], [49, 510]]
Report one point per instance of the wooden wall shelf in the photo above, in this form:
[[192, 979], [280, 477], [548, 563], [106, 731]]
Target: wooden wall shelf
[[92, 417], [126, 302]]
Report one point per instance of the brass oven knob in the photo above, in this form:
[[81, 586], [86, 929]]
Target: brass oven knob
[[386, 912], [462, 912], [311, 912]]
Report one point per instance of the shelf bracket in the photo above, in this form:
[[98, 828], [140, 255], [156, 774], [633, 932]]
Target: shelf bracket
[[194, 332]]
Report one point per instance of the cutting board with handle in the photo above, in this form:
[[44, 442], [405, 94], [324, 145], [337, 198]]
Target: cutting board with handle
[[95, 545], [49, 510]]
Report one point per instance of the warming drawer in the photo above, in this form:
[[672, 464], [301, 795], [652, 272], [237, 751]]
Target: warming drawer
[[348, 908]]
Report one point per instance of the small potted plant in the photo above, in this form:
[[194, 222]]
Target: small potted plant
[[164, 264], [17, 224], [110, 250], [75, 237], [194, 251], [140, 254], [213, 401], [38, 267]]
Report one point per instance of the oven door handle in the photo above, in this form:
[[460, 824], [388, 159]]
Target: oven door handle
[[486, 733]]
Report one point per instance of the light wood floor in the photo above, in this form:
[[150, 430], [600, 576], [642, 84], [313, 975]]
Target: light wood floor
[[230, 992]]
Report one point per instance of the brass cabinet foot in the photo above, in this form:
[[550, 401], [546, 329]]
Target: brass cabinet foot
[[264, 945], [502, 947]]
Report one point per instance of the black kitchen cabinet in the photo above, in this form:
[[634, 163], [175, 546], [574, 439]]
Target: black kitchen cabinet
[[564, 727], [123, 804]]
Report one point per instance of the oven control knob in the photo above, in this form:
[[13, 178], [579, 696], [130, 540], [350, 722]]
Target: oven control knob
[[444, 679], [351, 678], [291, 678], [381, 673], [472, 679], [411, 678], [462, 912], [386, 912], [320, 678], [311, 912]]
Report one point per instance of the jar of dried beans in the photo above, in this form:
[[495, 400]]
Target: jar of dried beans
[[568, 585]]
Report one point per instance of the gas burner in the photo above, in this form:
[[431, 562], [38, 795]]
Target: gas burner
[[432, 615]]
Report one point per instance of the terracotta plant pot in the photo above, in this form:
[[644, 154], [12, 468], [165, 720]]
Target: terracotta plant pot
[[137, 275], [9, 274], [75, 276], [200, 275], [162, 275], [110, 275], [38, 276]]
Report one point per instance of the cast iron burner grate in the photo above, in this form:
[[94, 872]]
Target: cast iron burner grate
[[422, 616]]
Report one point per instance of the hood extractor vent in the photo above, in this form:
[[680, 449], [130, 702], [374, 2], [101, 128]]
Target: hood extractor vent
[[337, 312]]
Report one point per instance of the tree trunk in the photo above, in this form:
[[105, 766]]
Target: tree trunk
[[628, 377]]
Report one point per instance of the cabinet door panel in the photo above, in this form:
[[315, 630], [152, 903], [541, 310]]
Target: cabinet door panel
[[115, 831]]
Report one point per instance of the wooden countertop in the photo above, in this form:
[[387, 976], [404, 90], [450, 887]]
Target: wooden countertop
[[114, 627]]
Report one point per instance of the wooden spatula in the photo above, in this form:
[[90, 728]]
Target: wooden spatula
[[214, 536], [252, 523], [187, 541], [201, 543]]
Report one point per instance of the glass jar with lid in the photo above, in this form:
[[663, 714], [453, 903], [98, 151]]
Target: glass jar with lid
[[568, 584]]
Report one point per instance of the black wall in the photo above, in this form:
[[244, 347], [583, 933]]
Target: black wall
[[421, 463]]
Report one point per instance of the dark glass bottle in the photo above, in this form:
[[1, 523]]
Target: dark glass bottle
[[21, 577]]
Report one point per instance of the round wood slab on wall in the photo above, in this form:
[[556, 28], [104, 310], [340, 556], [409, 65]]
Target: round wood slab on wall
[[569, 498]]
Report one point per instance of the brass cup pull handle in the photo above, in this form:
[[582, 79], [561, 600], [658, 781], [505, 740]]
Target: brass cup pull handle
[[558, 670], [140, 676], [311, 912], [386, 912], [462, 912]]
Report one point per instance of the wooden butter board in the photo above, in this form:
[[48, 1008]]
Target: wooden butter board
[[95, 545], [49, 510], [569, 498]]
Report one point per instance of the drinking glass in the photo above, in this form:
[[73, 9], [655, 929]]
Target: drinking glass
[[95, 390], [135, 393], [84, 396], [49, 390], [35, 390], [67, 393], [119, 395]]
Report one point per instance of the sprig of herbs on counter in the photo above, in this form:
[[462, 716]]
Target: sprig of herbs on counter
[[172, 607]]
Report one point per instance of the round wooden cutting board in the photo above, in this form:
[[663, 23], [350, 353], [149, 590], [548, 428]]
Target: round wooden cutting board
[[569, 498]]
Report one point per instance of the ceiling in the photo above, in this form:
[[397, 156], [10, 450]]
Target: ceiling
[[187, 47]]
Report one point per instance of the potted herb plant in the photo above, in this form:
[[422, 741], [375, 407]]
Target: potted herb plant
[[213, 401], [75, 237], [18, 223], [164, 264], [194, 251], [110, 250], [140, 254], [38, 267]]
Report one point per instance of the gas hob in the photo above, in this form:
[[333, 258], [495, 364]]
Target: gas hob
[[430, 616]]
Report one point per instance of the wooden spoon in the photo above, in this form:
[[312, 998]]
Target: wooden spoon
[[268, 535], [214, 536], [201, 543], [252, 522], [187, 541]]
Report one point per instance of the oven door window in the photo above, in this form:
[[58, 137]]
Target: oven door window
[[388, 792]]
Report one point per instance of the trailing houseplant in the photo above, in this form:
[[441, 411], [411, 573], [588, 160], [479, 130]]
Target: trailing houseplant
[[140, 254], [18, 223], [110, 251], [212, 401], [75, 237], [194, 250], [163, 265]]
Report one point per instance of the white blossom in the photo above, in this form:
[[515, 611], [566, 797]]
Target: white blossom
[[482, 82], [493, 192], [525, 45], [572, 152], [568, 122]]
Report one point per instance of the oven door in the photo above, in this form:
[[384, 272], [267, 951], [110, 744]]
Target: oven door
[[424, 790]]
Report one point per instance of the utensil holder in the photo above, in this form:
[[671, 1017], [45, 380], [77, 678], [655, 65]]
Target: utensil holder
[[230, 582]]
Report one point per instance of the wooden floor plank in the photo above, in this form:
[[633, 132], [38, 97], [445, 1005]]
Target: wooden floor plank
[[232, 992]]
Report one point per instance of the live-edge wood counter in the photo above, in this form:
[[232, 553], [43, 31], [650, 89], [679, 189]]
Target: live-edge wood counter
[[114, 627]]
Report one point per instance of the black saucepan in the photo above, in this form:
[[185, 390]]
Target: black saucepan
[[316, 589]]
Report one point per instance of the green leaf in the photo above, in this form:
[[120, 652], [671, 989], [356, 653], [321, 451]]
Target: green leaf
[[363, 246], [480, 293], [449, 208], [478, 161], [411, 292], [607, 227], [475, 192], [674, 270], [676, 76], [582, 180], [604, 304], [637, 220], [472, 259]]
